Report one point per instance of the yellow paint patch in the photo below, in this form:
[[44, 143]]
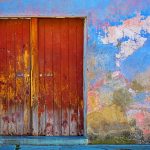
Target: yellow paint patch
[[3, 85], [113, 114], [93, 101], [98, 121]]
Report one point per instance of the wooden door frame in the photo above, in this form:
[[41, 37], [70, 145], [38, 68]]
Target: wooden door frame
[[34, 68]]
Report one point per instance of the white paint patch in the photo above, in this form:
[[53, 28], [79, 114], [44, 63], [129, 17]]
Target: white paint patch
[[130, 30]]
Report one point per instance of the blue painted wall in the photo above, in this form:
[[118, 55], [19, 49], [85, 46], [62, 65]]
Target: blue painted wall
[[118, 61]]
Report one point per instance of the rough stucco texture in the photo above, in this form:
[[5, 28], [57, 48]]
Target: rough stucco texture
[[118, 60]]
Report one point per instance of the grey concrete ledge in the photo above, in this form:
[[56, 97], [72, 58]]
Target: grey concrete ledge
[[43, 140]]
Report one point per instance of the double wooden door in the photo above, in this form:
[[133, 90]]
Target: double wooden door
[[41, 77]]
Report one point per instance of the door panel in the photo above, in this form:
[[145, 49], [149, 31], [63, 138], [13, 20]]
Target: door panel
[[60, 76], [15, 77]]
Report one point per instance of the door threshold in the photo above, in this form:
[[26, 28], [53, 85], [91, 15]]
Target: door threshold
[[43, 140]]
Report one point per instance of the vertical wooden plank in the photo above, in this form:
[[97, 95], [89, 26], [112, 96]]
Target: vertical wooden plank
[[5, 100], [41, 100], [3, 80], [72, 77], [34, 75], [5, 74], [49, 78], [57, 83], [80, 25], [64, 77], [11, 76], [19, 78], [22, 89], [14, 114], [8, 47], [27, 67]]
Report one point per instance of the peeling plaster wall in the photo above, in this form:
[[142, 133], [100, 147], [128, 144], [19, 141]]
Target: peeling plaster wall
[[118, 61]]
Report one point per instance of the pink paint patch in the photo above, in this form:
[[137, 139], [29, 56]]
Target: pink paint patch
[[139, 118], [146, 131], [98, 84]]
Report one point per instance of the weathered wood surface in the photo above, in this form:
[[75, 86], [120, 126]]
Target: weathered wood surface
[[14, 77], [60, 76], [45, 98], [34, 76]]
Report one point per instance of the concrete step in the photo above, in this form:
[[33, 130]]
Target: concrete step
[[43, 140]]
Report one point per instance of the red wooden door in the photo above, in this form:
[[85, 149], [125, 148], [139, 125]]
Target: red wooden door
[[47, 97], [14, 77], [60, 60]]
